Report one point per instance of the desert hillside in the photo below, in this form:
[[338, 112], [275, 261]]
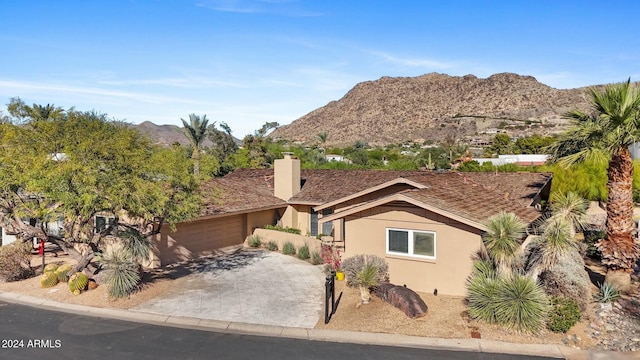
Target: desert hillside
[[437, 107]]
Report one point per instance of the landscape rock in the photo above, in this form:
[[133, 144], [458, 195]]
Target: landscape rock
[[403, 298]]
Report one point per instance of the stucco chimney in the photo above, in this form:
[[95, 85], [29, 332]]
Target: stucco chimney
[[287, 177]]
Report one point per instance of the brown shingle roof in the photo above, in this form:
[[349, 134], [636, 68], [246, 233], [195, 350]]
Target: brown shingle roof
[[475, 196], [240, 194]]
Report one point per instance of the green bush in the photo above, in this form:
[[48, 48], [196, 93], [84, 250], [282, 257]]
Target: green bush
[[254, 241], [288, 248], [354, 265], [591, 237], [316, 259], [272, 246], [15, 262], [283, 229], [565, 313], [303, 252]]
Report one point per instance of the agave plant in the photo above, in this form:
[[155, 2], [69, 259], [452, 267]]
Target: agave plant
[[607, 293]]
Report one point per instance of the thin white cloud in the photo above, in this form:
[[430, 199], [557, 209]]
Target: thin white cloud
[[177, 82], [276, 7], [411, 62], [10, 88]]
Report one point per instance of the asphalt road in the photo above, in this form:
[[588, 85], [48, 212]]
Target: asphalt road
[[32, 333]]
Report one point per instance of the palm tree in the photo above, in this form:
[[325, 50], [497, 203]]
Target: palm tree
[[605, 135], [502, 240], [322, 137], [196, 131]]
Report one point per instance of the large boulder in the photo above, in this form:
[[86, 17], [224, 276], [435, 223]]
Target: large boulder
[[403, 298]]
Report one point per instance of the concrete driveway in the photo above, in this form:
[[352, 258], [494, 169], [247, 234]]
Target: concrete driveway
[[250, 286]]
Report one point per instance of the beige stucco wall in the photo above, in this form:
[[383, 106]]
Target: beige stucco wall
[[280, 237], [259, 219], [455, 243]]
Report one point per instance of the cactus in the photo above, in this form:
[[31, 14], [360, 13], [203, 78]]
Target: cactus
[[62, 272], [50, 267], [77, 282], [49, 279], [76, 292]]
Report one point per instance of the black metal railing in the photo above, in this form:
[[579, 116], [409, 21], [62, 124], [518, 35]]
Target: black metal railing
[[330, 297]]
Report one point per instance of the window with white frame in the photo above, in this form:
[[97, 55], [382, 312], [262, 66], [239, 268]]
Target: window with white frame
[[416, 243], [102, 222]]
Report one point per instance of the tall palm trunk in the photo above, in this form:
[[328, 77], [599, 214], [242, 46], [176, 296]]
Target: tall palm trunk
[[196, 161], [619, 251]]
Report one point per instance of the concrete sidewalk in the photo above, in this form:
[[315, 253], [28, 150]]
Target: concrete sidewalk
[[472, 345]]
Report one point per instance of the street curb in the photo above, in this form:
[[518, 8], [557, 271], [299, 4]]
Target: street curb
[[339, 336]]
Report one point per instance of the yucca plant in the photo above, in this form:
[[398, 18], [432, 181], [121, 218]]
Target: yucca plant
[[138, 246], [481, 293], [607, 293], [555, 245], [502, 239], [521, 304], [122, 274], [572, 207], [367, 277]]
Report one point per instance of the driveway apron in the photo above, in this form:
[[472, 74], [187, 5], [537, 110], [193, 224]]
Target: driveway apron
[[250, 286]]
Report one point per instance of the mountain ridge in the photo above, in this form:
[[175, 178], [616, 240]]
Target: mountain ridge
[[437, 107]]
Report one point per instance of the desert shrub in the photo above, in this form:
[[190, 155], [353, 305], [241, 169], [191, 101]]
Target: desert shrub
[[121, 273], [283, 229], [521, 304], [591, 237], [564, 313], [568, 279], [288, 248], [254, 241], [303, 252], [355, 264], [316, 259], [272, 246], [606, 293], [15, 261]]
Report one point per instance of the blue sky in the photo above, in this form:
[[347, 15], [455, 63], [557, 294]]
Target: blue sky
[[246, 62]]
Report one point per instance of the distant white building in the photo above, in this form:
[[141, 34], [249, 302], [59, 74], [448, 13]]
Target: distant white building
[[332, 157], [520, 159]]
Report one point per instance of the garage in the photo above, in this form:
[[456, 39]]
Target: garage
[[198, 238]]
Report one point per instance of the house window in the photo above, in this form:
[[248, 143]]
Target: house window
[[411, 243], [327, 228], [101, 222]]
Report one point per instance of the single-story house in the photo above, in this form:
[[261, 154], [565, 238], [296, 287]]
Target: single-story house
[[426, 225]]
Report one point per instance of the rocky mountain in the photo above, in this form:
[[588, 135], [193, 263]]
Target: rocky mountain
[[438, 107], [169, 134]]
